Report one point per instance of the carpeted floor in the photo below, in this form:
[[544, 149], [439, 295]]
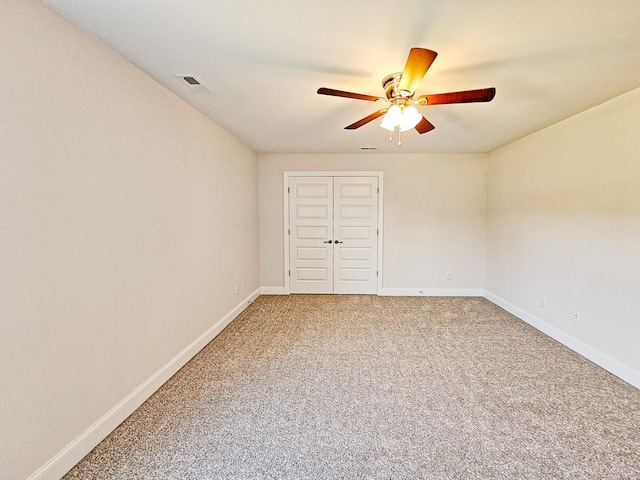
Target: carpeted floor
[[365, 387]]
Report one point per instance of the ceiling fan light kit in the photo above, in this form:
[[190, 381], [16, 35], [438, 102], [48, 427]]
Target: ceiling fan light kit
[[404, 117], [400, 88]]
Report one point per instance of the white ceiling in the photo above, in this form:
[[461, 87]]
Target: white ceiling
[[265, 60]]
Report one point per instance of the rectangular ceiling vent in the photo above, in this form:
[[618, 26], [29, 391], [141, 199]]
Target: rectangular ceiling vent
[[194, 83]]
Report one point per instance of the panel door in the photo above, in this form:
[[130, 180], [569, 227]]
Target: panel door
[[355, 255], [333, 235], [310, 231]]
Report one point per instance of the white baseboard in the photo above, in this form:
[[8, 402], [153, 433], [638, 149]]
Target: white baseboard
[[619, 370], [405, 292], [272, 291], [65, 460], [432, 292]]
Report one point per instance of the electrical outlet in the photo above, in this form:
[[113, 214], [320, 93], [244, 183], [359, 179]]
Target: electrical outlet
[[448, 276], [577, 317], [237, 289], [542, 302]]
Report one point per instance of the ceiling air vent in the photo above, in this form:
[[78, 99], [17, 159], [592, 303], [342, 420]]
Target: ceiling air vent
[[194, 83], [191, 81]]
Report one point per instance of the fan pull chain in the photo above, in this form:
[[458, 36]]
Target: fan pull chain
[[399, 138], [390, 136]]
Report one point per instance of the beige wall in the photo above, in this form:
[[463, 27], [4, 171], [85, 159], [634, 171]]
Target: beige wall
[[126, 219], [563, 223], [433, 216]]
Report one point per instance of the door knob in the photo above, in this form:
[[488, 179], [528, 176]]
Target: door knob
[[338, 241], [328, 241]]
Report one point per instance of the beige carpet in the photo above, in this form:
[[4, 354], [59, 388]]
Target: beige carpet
[[363, 387]]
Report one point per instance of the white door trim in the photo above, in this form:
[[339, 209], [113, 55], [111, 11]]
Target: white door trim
[[330, 173]]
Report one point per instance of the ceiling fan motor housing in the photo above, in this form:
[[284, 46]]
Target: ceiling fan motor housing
[[390, 84]]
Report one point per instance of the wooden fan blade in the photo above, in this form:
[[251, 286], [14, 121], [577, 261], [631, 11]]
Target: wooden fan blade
[[340, 93], [418, 62], [366, 120], [424, 126], [468, 96]]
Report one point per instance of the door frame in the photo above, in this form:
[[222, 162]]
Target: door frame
[[331, 173]]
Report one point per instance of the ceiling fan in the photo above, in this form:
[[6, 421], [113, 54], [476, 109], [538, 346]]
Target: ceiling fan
[[400, 88]]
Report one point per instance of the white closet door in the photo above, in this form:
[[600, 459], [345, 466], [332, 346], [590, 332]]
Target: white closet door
[[311, 230], [355, 255], [333, 227]]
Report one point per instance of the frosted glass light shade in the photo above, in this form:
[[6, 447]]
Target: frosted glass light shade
[[410, 118], [392, 118]]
